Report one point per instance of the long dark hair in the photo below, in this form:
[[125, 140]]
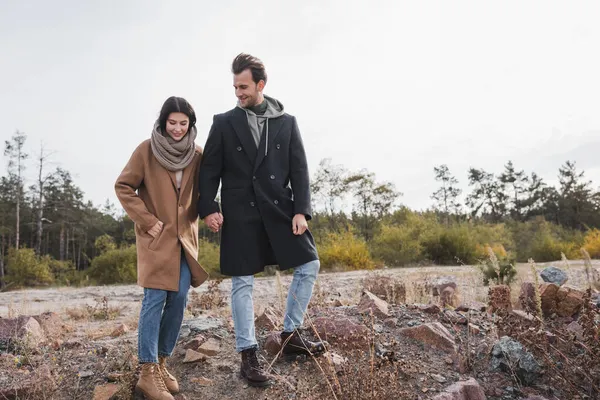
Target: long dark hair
[[176, 104]]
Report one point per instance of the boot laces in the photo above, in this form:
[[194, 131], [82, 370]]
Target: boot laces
[[158, 380]]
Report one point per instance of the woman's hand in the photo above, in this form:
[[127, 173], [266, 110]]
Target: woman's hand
[[155, 231]]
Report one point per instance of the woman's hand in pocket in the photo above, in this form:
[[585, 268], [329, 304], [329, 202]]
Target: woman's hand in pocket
[[155, 231]]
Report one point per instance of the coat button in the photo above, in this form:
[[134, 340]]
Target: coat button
[[251, 204], [276, 202], [272, 177], [239, 148], [278, 146], [254, 178]]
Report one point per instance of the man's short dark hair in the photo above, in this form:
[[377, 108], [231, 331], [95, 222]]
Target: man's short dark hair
[[245, 61]]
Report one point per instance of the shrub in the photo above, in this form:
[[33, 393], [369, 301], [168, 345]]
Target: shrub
[[115, 266], [25, 268], [499, 270], [209, 257], [450, 246], [482, 251], [545, 247], [344, 251], [591, 243], [64, 272], [397, 245], [544, 241], [105, 243]]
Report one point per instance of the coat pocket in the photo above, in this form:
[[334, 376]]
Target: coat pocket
[[154, 241]]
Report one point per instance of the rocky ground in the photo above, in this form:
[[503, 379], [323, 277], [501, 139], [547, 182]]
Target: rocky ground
[[414, 333]]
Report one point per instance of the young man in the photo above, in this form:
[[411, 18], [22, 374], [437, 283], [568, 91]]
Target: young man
[[255, 151]]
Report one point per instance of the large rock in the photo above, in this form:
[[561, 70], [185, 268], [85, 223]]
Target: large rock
[[106, 392], [369, 303], [273, 343], [510, 356], [527, 297], [40, 384], [463, 390], [269, 320], [192, 356], [211, 347], [499, 299], [195, 342], [548, 292], [343, 332], [454, 318], [554, 275], [433, 334], [386, 288], [119, 330], [52, 324], [442, 283], [569, 301], [430, 308], [22, 331]]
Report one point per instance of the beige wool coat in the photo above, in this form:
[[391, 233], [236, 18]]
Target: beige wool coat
[[148, 193]]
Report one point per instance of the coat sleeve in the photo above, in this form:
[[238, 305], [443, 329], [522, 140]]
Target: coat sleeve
[[299, 176], [211, 168], [126, 186]]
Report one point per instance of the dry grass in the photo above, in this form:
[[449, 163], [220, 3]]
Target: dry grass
[[212, 299], [101, 310]]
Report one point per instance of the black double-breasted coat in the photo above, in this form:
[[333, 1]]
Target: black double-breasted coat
[[261, 191]]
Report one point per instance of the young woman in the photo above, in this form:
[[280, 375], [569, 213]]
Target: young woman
[[158, 190]]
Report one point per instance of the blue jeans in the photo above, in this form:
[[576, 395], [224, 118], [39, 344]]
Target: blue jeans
[[242, 306], [161, 317]]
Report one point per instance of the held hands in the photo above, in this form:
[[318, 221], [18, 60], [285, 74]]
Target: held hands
[[214, 221], [299, 224], [155, 230]]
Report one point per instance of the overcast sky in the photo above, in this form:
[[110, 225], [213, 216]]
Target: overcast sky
[[396, 87]]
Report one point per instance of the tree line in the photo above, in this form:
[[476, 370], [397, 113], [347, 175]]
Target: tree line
[[50, 217]]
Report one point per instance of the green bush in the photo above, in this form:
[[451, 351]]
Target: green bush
[[545, 248], [499, 270], [105, 243], [344, 251], [544, 241], [397, 245], [25, 268], [209, 257], [449, 246], [64, 272], [592, 243], [115, 266]]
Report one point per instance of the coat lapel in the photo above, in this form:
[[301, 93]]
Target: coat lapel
[[173, 179], [275, 125], [240, 125]]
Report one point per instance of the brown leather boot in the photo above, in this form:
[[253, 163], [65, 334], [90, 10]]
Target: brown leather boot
[[151, 383], [251, 371], [295, 344], [170, 381]]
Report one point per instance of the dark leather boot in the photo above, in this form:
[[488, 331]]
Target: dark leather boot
[[295, 344], [251, 370]]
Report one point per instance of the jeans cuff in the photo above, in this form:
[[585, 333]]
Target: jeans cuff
[[148, 362], [164, 354], [254, 346]]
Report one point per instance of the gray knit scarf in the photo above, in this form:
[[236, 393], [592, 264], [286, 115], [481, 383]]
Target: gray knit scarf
[[173, 155]]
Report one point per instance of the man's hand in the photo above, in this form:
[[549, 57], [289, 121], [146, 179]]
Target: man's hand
[[299, 224], [214, 221], [155, 230]]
